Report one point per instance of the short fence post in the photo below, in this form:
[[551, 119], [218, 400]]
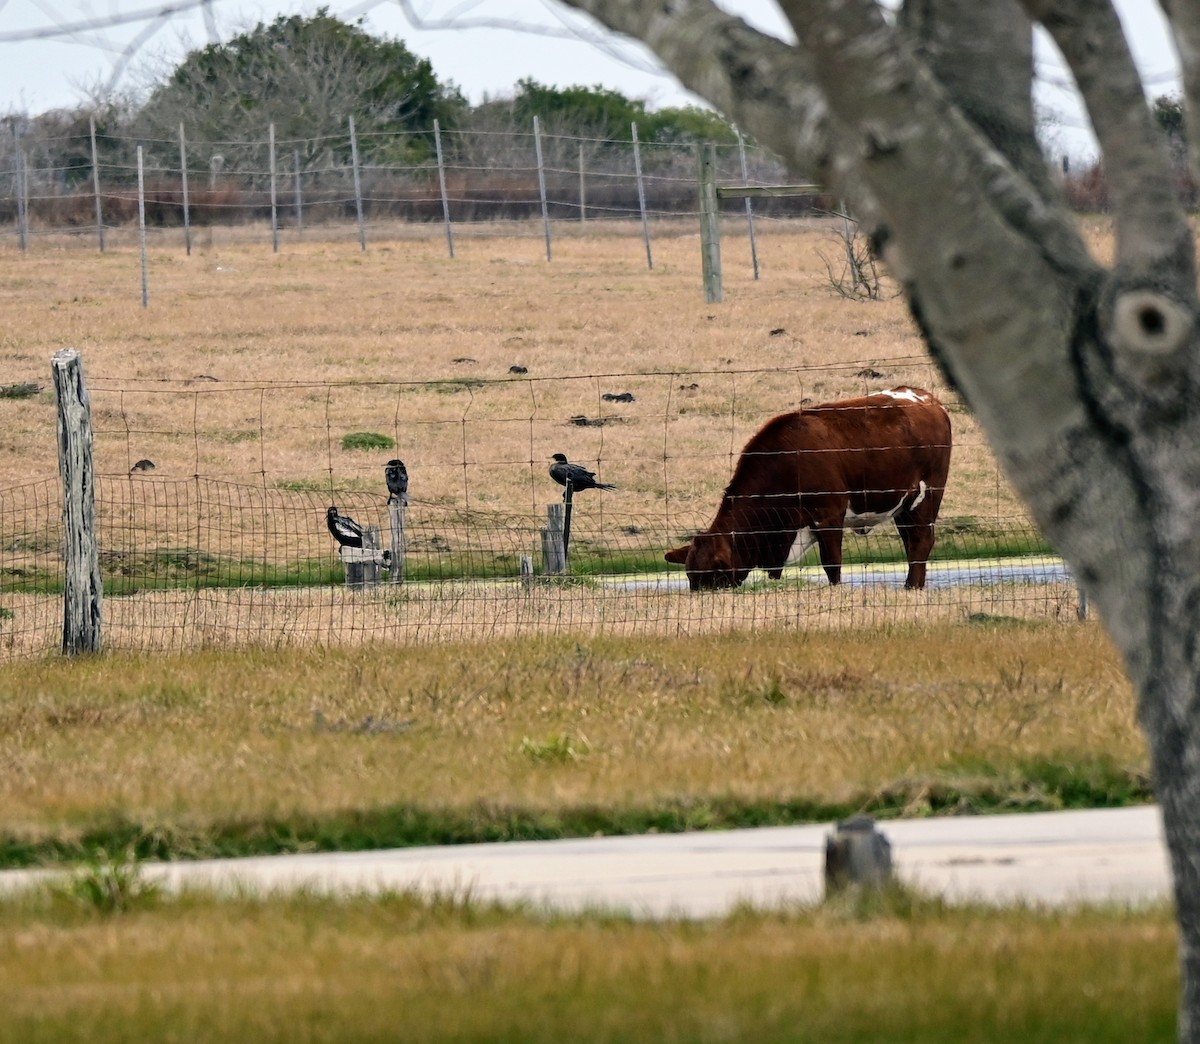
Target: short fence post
[[856, 854], [364, 564], [1082, 611], [554, 557], [397, 508], [83, 592], [710, 230], [526, 571]]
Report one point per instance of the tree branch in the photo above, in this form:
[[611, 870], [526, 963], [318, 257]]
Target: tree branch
[[1152, 233], [1183, 16]]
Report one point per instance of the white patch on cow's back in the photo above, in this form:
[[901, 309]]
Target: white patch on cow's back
[[908, 395]]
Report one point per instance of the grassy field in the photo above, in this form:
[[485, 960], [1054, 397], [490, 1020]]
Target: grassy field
[[912, 971], [238, 752], [246, 372]]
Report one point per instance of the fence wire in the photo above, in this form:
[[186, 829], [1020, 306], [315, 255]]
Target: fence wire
[[211, 506]]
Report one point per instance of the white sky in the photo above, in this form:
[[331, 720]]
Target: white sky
[[480, 54]]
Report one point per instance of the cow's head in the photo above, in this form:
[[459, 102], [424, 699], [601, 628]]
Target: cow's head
[[709, 561]]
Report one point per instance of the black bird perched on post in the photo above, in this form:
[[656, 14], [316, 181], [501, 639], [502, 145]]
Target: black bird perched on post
[[396, 476], [345, 530], [562, 470]]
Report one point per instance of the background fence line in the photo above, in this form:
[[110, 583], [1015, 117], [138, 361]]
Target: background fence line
[[470, 178]]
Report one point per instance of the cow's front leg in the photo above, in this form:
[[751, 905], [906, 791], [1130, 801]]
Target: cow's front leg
[[829, 543]]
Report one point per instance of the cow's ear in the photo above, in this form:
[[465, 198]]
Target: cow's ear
[[678, 555]]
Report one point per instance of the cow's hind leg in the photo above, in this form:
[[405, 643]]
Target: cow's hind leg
[[917, 534]]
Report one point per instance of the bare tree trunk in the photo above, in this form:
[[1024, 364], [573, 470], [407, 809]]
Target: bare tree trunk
[[1085, 378]]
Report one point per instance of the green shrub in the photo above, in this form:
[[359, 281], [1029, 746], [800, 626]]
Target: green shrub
[[366, 440]]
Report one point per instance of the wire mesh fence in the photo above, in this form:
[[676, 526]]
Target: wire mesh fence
[[211, 507], [341, 183]]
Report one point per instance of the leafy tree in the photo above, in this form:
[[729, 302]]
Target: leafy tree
[[308, 76], [604, 113], [1085, 376]]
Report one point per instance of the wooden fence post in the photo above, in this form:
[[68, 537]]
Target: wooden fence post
[[83, 594], [568, 507], [710, 229], [397, 508], [856, 854], [554, 557]]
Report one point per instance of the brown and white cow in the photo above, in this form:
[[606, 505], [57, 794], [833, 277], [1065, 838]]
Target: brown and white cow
[[807, 476]]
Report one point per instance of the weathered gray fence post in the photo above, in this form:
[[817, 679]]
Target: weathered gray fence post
[[397, 508], [856, 854], [526, 571], [82, 587], [710, 229], [554, 556]]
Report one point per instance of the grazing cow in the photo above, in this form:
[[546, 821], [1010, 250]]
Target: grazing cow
[[807, 476]]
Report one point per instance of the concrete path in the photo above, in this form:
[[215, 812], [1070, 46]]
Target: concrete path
[[1052, 858]]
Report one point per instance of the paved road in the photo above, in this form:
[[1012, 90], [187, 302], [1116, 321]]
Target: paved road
[[1058, 857]]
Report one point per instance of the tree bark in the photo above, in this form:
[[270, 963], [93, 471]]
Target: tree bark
[[1085, 378]]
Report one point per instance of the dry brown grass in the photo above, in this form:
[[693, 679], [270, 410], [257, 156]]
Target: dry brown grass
[[184, 743], [397, 969], [294, 340]]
